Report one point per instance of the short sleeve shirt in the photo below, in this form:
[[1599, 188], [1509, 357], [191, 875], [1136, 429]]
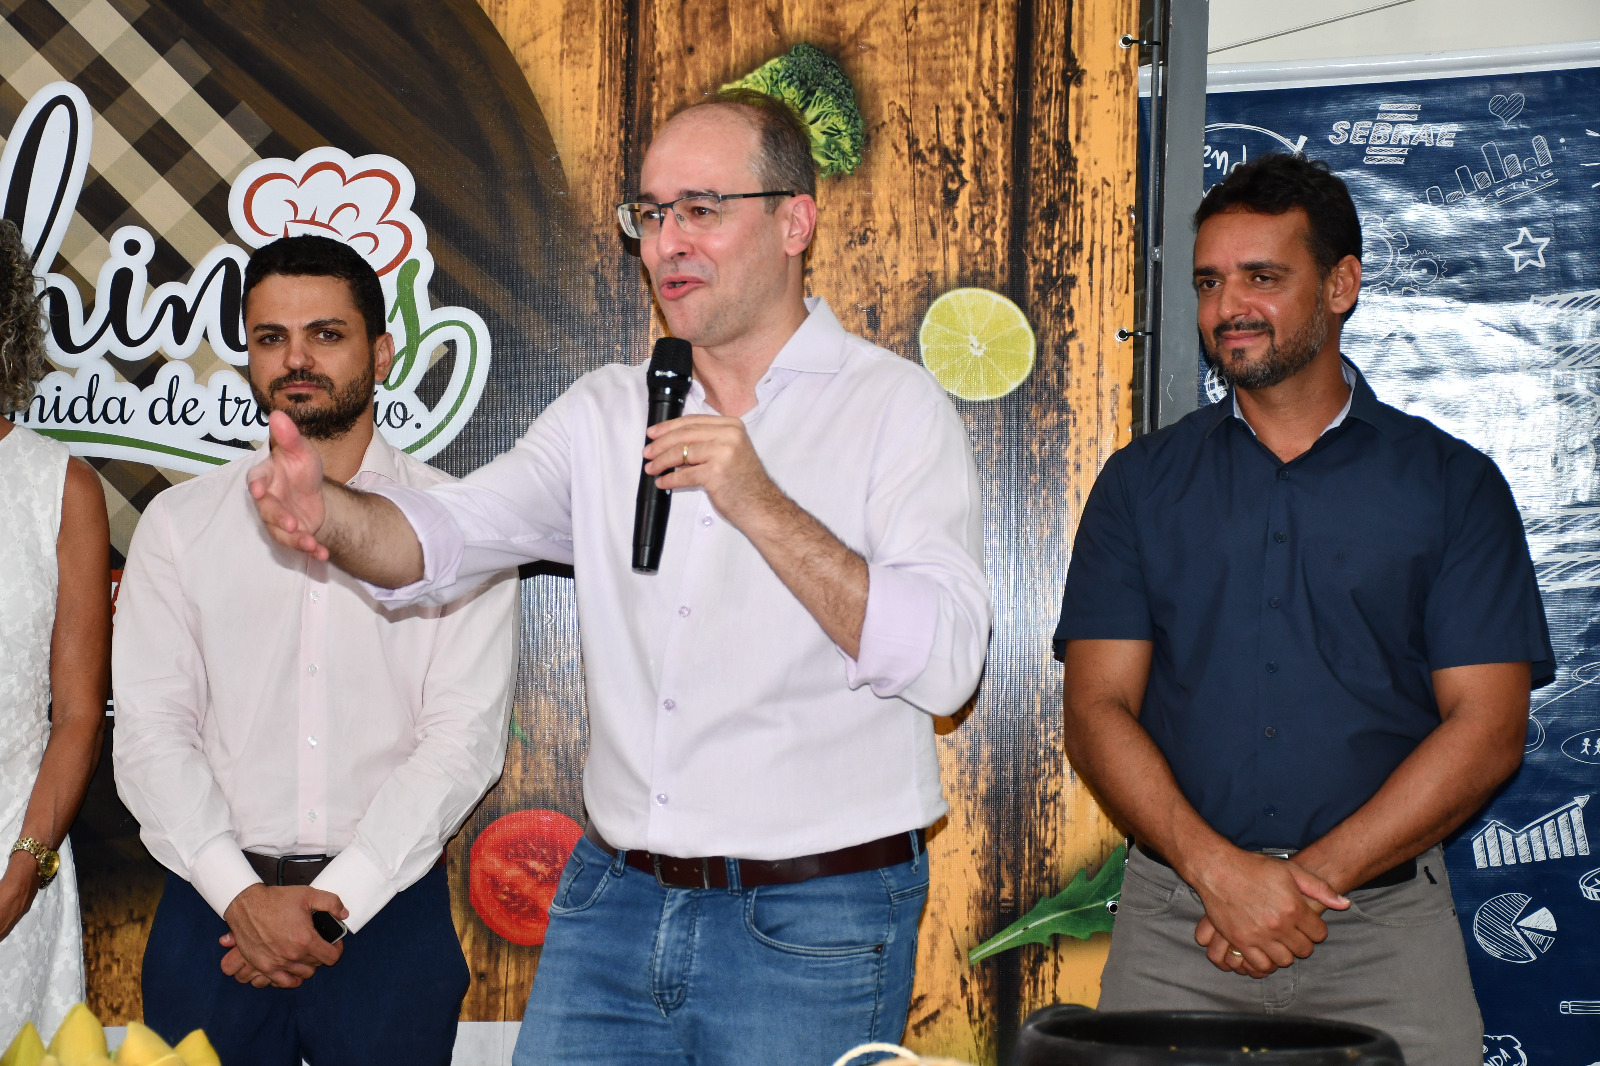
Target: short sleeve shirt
[[1298, 610]]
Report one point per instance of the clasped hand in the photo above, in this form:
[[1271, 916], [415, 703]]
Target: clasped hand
[[720, 460], [1262, 913], [271, 940]]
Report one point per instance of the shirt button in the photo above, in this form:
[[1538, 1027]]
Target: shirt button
[[669, 704], [683, 612], [312, 669], [1271, 732], [1274, 602], [706, 520], [1283, 475], [1272, 668], [1269, 811], [661, 799], [311, 816], [1280, 536], [312, 741], [315, 596]]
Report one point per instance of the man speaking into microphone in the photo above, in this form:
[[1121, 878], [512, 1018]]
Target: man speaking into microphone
[[761, 763]]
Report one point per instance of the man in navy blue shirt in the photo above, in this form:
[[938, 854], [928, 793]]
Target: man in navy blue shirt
[[1300, 629]]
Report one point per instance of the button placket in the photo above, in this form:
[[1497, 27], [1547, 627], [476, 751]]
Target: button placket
[[311, 764], [1273, 651]]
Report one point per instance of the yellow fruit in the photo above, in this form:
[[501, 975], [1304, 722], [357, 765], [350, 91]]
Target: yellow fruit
[[141, 1047], [976, 343], [79, 1039], [26, 1048], [196, 1050]]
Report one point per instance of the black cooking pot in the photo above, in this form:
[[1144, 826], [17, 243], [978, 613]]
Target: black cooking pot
[[1070, 1035]]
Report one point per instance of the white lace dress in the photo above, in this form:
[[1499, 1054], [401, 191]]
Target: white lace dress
[[41, 961]]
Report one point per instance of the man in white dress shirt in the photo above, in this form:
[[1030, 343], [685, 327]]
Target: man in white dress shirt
[[287, 744], [762, 761]]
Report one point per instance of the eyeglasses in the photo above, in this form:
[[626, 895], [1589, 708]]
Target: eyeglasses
[[700, 213]]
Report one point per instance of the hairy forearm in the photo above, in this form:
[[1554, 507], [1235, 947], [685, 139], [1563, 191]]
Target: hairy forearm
[[1439, 786], [368, 537], [828, 579], [1113, 753]]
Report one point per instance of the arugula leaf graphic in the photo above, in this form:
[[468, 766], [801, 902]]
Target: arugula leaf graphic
[[1081, 909]]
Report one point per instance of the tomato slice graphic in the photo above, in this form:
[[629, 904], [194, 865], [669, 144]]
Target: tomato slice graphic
[[514, 867]]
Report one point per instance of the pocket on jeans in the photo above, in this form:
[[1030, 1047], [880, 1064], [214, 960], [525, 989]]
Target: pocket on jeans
[[1144, 896], [830, 917], [1403, 906], [584, 879]]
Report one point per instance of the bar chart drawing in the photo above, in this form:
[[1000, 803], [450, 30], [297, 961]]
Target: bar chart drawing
[[1505, 176], [1559, 834]]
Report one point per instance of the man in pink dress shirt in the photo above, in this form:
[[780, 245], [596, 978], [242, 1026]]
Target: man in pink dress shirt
[[289, 745], [761, 748]]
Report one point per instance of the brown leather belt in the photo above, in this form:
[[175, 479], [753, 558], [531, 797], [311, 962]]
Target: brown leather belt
[[1395, 875], [712, 871], [287, 869]]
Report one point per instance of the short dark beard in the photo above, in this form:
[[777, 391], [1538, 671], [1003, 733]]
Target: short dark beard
[[328, 423], [1278, 364]]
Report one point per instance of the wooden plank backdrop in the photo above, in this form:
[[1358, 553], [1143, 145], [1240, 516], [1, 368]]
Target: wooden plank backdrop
[[1002, 155]]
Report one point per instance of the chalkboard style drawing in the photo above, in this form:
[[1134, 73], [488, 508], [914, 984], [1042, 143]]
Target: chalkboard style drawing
[[1589, 885], [1505, 1050], [1504, 930], [976, 343], [1505, 176], [1577, 313], [1566, 547], [1507, 108], [1557, 835], [1220, 159], [1214, 388], [1583, 747], [1580, 1006], [1388, 265], [1526, 250]]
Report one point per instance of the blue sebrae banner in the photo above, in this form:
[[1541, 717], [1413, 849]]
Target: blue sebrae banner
[[1480, 310]]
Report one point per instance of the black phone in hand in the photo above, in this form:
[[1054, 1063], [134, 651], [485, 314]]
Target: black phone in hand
[[328, 927]]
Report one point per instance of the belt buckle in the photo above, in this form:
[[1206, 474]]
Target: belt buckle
[[655, 861], [1278, 853]]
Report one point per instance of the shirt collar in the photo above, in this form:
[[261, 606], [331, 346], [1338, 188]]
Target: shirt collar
[[817, 347], [1362, 403], [377, 462]]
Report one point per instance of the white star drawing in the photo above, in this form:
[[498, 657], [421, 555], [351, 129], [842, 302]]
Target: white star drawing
[[1526, 249]]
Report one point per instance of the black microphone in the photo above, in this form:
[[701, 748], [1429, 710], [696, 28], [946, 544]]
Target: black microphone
[[671, 367]]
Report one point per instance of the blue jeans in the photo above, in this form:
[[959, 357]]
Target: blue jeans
[[793, 974]]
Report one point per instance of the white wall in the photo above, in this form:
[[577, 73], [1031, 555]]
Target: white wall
[[1414, 26]]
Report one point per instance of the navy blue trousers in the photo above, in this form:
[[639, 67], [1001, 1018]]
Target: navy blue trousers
[[392, 998]]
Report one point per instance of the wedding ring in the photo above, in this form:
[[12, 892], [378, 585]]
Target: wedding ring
[[686, 453], [1236, 952]]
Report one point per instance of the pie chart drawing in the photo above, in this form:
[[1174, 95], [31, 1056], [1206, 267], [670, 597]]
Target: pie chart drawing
[[1506, 931]]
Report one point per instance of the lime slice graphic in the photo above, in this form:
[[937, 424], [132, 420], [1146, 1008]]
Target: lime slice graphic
[[976, 344]]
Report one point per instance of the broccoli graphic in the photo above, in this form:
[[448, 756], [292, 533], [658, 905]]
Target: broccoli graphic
[[808, 80]]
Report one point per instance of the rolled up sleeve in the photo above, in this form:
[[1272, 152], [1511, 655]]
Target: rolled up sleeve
[[926, 629]]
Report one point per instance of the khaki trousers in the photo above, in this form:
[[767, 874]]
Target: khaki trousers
[[1394, 960]]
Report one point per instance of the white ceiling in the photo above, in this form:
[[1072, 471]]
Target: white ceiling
[[1409, 27]]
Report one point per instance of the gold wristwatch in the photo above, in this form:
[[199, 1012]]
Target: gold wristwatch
[[49, 862]]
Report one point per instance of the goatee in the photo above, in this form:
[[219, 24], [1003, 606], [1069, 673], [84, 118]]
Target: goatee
[[1279, 362], [345, 409]]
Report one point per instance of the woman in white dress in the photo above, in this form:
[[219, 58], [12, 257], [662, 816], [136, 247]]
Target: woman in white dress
[[55, 632]]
